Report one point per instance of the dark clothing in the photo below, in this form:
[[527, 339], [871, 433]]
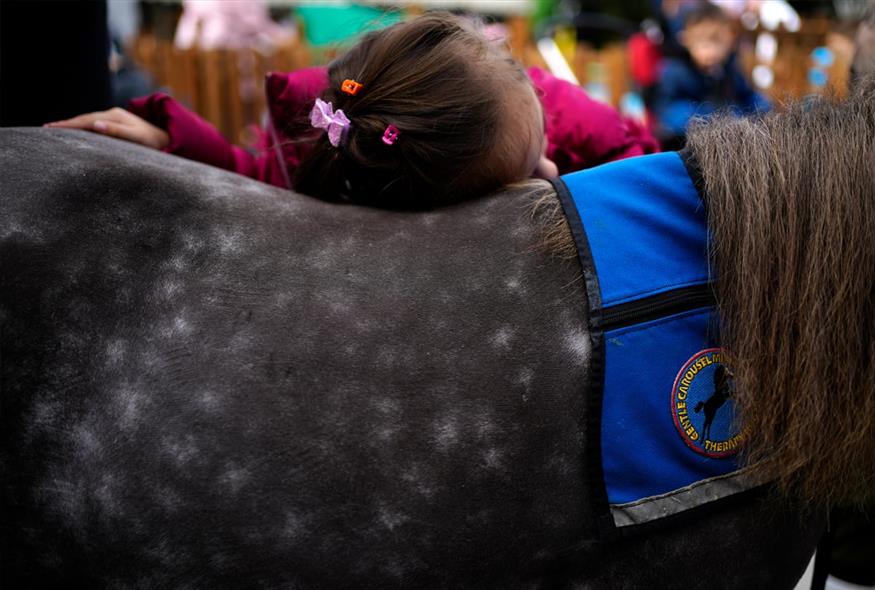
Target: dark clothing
[[683, 91], [72, 37], [852, 545]]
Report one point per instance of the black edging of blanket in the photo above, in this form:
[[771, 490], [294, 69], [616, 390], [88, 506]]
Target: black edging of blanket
[[605, 527]]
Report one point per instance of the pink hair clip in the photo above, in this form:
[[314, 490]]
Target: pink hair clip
[[390, 135], [336, 123]]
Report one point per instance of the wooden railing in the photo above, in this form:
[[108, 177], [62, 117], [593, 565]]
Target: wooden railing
[[609, 65], [227, 87], [791, 65], [224, 86]]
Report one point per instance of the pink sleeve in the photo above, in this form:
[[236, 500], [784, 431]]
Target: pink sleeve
[[582, 132], [290, 95], [195, 139]]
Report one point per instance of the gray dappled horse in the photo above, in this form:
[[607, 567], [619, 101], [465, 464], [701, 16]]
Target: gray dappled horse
[[209, 382]]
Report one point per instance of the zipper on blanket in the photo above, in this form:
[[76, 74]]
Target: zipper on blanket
[[657, 306]]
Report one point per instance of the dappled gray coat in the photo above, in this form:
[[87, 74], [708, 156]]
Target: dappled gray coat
[[210, 382]]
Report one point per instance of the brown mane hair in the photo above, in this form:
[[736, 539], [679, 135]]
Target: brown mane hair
[[456, 100], [791, 202]]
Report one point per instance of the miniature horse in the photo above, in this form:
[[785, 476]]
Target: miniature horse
[[210, 382]]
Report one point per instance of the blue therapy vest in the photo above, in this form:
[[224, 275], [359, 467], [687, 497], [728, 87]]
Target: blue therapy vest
[[663, 433]]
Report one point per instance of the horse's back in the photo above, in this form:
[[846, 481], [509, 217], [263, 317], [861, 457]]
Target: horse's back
[[207, 381]]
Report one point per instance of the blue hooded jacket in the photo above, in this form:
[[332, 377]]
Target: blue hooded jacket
[[684, 91]]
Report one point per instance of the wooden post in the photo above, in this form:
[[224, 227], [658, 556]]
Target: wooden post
[[212, 75]]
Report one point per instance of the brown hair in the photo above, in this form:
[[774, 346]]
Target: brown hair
[[452, 95], [791, 211], [705, 11]]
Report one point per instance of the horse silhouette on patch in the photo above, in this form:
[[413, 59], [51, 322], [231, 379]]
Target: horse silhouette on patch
[[722, 392]]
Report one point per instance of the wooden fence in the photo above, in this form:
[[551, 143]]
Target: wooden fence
[[793, 60], [609, 65], [224, 86]]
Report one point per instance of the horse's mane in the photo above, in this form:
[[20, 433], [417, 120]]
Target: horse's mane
[[791, 202]]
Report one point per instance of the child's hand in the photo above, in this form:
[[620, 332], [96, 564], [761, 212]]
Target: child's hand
[[119, 123]]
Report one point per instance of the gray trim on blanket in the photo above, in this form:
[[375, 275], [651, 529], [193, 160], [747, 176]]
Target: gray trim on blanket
[[697, 494]]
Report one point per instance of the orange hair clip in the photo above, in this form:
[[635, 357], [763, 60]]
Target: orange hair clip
[[351, 87]]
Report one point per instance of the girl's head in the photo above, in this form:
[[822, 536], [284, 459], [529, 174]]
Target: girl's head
[[467, 116]]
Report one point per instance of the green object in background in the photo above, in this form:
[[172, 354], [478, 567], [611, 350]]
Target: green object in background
[[342, 22], [542, 14], [544, 10]]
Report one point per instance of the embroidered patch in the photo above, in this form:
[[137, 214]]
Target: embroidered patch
[[702, 408]]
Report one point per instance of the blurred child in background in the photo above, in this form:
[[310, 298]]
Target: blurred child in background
[[705, 79]]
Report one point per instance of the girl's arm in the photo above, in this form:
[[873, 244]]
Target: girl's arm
[[582, 132], [195, 139], [290, 97], [161, 122]]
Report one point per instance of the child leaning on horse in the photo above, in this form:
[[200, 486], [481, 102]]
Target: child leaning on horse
[[466, 119]]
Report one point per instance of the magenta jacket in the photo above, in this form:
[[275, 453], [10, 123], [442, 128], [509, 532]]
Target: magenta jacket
[[581, 132]]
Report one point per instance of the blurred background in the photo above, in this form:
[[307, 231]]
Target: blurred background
[[61, 58]]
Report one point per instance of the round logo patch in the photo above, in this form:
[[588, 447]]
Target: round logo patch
[[702, 408]]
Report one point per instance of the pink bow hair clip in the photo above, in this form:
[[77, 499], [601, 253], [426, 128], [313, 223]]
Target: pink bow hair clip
[[390, 135], [336, 123]]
